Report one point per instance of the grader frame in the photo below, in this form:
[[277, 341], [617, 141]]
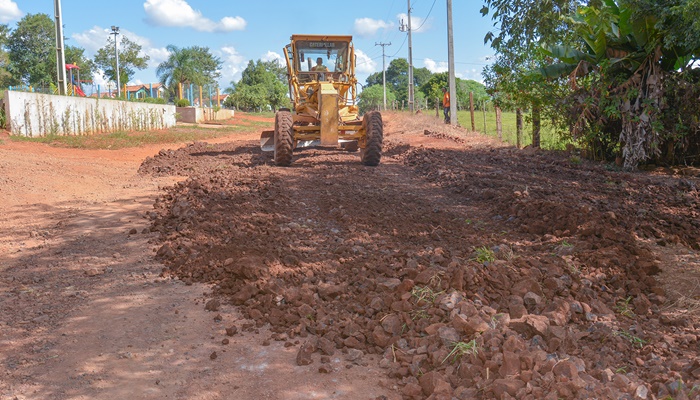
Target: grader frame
[[324, 100]]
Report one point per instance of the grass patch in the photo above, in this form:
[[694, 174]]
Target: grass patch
[[549, 138], [624, 309], [635, 340], [122, 139], [424, 293], [484, 254], [460, 349]]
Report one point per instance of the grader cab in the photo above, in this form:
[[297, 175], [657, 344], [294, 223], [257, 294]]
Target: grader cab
[[323, 90]]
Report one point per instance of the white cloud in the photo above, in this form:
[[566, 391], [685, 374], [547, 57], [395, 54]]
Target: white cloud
[[96, 38], [418, 24], [435, 66], [369, 27], [180, 13], [271, 55], [233, 64], [9, 11], [365, 65]]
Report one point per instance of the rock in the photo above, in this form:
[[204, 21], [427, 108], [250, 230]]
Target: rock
[[380, 337], [330, 291], [325, 369], [431, 381], [213, 356], [412, 390], [244, 294], [305, 352], [532, 300], [93, 272], [507, 385], [433, 328], [531, 325], [641, 393], [354, 355], [469, 325], [566, 369], [231, 330], [212, 305], [326, 346], [388, 284], [449, 302], [448, 335], [510, 365], [392, 324]]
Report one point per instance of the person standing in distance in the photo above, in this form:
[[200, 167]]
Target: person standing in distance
[[446, 104]]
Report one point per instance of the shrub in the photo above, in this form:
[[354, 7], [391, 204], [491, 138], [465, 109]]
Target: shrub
[[182, 103]]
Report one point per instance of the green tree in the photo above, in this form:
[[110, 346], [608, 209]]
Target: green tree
[[190, 65], [622, 72], [523, 26], [5, 74], [432, 89], [397, 78], [260, 86], [30, 49], [372, 98], [129, 60], [76, 55]]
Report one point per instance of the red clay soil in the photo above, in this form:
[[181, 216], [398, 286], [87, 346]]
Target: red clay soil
[[467, 268]]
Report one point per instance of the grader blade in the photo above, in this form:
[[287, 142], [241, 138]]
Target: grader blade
[[267, 141]]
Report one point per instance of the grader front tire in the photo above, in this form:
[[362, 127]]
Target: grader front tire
[[374, 129], [284, 138]]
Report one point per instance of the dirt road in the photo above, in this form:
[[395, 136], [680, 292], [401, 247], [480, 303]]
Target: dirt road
[[457, 268]]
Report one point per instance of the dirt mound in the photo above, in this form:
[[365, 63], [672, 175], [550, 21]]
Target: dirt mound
[[475, 271]]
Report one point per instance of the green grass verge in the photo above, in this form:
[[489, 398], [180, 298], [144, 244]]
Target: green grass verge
[[121, 140], [486, 124]]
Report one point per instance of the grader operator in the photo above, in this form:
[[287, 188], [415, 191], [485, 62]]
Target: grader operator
[[323, 91]]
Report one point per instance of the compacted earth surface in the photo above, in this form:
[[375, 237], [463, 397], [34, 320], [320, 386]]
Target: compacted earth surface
[[458, 268]]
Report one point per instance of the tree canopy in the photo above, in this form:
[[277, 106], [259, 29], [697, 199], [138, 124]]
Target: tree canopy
[[605, 70], [189, 65], [31, 49], [260, 86], [130, 59]]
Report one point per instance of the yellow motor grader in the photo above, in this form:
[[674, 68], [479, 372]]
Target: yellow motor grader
[[323, 90]]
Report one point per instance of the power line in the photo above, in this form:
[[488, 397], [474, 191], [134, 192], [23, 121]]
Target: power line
[[426, 17]]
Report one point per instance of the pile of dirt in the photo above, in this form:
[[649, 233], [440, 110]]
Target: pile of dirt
[[475, 270]]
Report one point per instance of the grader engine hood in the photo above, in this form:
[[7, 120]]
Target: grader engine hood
[[328, 110]]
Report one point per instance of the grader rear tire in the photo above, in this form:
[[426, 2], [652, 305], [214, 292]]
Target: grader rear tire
[[374, 129], [284, 140]]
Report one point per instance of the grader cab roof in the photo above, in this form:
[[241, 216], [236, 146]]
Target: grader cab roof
[[340, 38]]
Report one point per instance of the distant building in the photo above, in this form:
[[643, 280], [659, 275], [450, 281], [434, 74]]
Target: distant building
[[144, 90]]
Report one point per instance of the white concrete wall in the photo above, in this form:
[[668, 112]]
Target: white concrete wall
[[195, 115], [36, 114]]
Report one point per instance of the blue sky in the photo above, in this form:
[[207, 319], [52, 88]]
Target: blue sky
[[237, 31]]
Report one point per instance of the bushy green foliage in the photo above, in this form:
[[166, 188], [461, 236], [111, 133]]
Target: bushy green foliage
[[261, 86], [130, 59], [372, 98], [182, 103]]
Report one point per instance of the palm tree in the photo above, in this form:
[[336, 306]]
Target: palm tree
[[178, 68]]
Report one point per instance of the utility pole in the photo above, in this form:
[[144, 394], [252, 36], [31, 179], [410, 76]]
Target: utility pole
[[410, 58], [451, 65], [383, 68], [60, 53], [115, 32]]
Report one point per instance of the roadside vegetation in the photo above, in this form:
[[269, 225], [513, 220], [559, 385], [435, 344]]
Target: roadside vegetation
[[121, 140]]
